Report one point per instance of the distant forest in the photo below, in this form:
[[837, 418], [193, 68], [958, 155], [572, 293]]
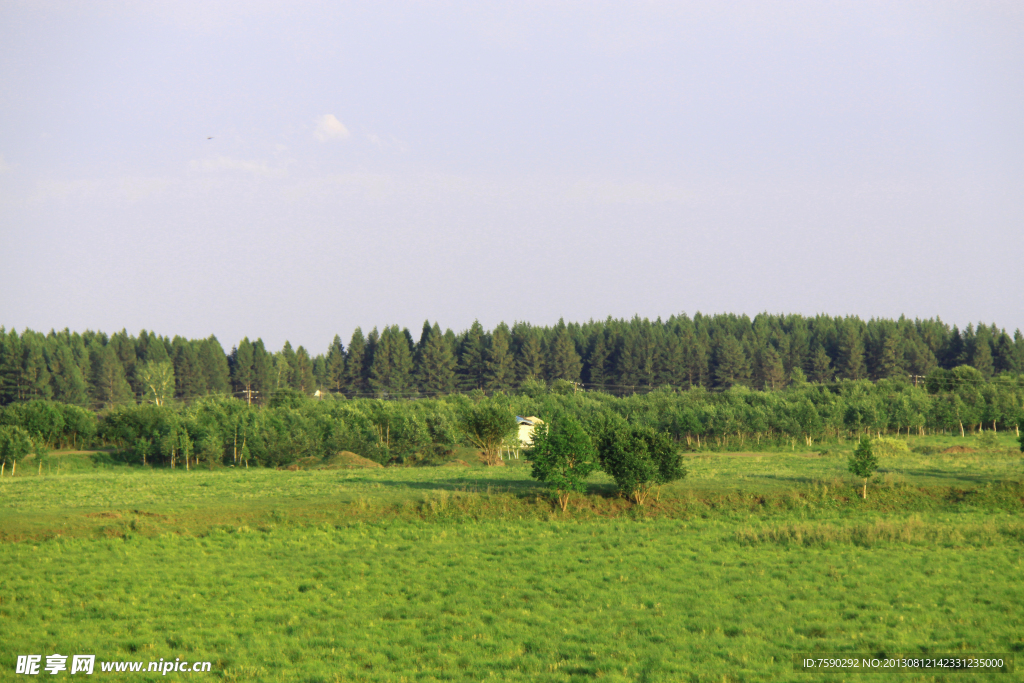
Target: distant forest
[[618, 357]]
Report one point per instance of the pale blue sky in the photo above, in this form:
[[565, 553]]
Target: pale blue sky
[[376, 163]]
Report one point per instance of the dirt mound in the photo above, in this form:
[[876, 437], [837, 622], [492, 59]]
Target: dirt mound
[[960, 449], [456, 463], [347, 460]]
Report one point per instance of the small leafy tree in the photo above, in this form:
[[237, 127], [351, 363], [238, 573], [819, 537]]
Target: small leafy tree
[[563, 456], [487, 424], [863, 462], [639, 458], [157, 379], [15, 444]]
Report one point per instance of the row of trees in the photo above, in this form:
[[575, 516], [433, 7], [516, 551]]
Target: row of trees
[[292, 426], [614, 356]]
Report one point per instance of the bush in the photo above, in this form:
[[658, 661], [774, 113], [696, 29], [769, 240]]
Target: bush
[[886, 446], [488, 425], [988, 441], [563, 456], [639, 458]]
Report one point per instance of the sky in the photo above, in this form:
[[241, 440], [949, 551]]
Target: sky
[[294, 170]]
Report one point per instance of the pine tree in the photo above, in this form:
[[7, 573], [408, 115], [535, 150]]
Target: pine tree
[[214, 364], [391, 370], [499, 360], [851, 354], [472, 373], [336, 365], [671, 360], [563, 360], [109, 386], [287, 368], [304, 372], [190, 382], [731, 363], [597, 359], [771, 374], [890, 362], [981, 353], [262, 372], [355, 360], [34, 379], [10, 366], [69, 385], [529, 354], [242, 374], [437, 364], [821, 365]]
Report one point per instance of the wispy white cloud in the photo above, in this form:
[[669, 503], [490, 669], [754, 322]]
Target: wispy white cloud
[[4, 166], [328, 127], [392, 144], [229, 164]]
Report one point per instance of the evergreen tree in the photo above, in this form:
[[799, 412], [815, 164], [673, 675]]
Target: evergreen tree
[[10, 366], [391, 370], [954, 352], [69, 385], [697, 361], [821, 365], [1004, 359], [287, 368], [851, 354], [336, 365], [472, 373], [354, 362], [34, 379], [124, 346], [731, 364], [242, 373], [304, 372], [563, 360], [262, 372], [890, 362], [109, 386], [437, 365], [981, 356], [596, 367], [499, 360], [771, 374], [529, 355], [215, 366], [190, 381], [670, 365]]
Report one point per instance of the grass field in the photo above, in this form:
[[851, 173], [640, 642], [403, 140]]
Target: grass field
[[465, 574]]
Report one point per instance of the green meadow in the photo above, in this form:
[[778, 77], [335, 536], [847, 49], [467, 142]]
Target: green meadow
[[470, 573]]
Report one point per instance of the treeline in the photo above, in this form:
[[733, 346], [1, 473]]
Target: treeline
[[614, 356], [219, 430]]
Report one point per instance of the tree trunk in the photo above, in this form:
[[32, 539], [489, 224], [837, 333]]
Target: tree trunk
[[865, 496], [2, 468], [961, 430]]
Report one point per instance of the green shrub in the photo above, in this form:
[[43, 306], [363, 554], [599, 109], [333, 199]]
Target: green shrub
[[887, 446], [639, 458], [988, 441]]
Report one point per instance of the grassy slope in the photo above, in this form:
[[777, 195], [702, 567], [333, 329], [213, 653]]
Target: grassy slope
[[466, 573]]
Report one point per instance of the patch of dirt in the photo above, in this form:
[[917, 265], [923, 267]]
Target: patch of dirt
[[960, 449], [349, 460], [104, 515], [456, 463]]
